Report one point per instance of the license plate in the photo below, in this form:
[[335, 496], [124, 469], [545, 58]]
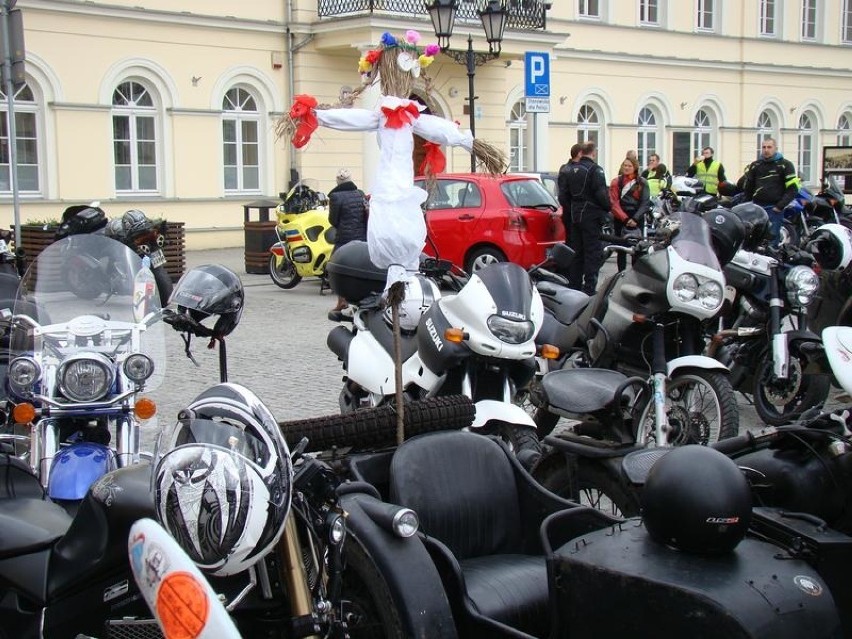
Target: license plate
[[157, 258]]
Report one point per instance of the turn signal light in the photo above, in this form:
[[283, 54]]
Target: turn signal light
[[549, 351], [454, 335], [24, 413], [145, 408], [639, 318]]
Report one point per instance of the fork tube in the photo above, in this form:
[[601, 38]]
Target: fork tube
[[127, 444], [778, 340], [48, 432], [658, 382], [294, 571]]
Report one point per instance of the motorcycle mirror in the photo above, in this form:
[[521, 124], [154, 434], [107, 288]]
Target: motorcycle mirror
[[561, 254]]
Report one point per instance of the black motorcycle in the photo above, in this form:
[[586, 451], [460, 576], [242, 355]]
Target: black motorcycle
[[784, 369]]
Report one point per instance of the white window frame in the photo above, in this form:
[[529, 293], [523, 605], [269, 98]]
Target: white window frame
[[702, 134], [768, 26], [844, 129], [648, 134], [804, 20], [764, 131], [22, 108], [591, 129], [135, 112], [240, 116], [517, 127], [807, 139], [645, 8], [584, 9], [846, 22], [705, 9]]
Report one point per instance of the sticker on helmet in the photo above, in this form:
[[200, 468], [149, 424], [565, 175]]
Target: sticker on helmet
[[808, 585]]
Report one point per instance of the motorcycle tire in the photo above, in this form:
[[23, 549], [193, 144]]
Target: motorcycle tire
[[587, 483], [691, 427], [164, 284], [367, 601], [545, 422], [284, 275], [780, 402], [376, 427]]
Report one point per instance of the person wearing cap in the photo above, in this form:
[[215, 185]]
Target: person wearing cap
[[348, 215]]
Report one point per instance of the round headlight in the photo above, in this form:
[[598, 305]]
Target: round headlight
[[85, 377], [710, 294], [802, 285], [685, 287], [509, 330], [405, 522], [138, 367], [24, 372], [336, 529]]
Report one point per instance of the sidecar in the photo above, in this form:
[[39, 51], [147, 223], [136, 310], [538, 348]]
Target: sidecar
[[514, 560]]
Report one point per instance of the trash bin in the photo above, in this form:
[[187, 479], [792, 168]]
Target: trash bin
[[259, 235]]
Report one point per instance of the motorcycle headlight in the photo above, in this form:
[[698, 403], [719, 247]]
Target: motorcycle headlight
[[23, 373], [710, 294], [685, 287], [509, 330], [138, 367], [85, 377], [802, 285]]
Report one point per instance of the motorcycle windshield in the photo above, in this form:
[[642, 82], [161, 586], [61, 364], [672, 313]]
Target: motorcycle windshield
[[89, 294], [693, 242]]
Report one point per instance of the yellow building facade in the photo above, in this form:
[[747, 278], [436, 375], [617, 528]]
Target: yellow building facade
[[170, 107]]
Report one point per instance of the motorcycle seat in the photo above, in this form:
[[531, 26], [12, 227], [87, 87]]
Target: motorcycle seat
[[30, 524], [580, 391], [480, 517], [565, 304]]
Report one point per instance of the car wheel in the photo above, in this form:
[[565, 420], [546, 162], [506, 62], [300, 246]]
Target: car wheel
[[482, 257]]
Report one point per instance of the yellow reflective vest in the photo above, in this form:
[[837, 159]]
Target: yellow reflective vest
[[709, 176]]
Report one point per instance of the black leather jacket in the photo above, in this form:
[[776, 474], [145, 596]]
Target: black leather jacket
[[583, 189], [347, 213]]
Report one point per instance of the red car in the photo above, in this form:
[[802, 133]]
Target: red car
[[474, 219]]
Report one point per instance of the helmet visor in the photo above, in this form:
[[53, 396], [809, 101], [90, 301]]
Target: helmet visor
[[192, 430]]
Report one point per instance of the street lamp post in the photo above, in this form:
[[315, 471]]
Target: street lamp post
[[493, 17]]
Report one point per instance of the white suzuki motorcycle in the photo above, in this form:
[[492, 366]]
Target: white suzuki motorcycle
[[479, 342]]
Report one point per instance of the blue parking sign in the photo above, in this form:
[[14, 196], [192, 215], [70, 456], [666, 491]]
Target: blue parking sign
[[536, 74]]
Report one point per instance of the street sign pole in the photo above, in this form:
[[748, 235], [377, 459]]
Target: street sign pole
[[6, 36]]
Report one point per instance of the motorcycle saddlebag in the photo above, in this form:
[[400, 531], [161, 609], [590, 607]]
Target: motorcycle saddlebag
[[805, 537], [352, 275], [652, 590]]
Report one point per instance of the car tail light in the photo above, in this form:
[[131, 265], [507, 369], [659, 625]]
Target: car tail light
[[515, 221]]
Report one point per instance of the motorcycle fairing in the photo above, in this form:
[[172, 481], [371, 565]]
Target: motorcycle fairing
[[489, 411], [510, 288], [838, 348]]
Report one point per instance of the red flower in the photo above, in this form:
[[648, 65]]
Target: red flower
[[373, 56]]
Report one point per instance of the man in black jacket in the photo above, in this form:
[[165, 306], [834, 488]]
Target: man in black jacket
[[772, 183], [347, 213], [583, 192]]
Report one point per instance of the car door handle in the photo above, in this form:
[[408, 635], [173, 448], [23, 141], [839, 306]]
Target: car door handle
[[467, 216]]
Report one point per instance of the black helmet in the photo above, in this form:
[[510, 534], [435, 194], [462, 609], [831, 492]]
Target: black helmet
[[134, 221], [696, 500], [831, 246], [727, 233], [211, 290], [756, 221]]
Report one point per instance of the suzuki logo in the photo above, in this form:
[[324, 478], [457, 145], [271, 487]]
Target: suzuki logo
[[433, 333]]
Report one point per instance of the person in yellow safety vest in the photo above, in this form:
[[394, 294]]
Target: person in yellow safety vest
[[710, 172], [657, 175]]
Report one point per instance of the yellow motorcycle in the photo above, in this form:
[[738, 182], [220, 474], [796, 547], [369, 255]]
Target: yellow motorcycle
[[305, 238]]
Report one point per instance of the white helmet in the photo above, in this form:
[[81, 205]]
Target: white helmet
[[420, 293], [831, 245], [223, 480]]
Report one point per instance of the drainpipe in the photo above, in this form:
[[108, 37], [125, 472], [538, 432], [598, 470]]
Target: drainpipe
[[291, 90]]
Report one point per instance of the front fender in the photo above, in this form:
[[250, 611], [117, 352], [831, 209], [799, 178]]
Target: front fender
[[810, 346], [408, 572], [278, 249], [694, 361], [491, 410]]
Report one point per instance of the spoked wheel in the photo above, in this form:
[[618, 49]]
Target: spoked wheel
[[780, 401], [700, 409], [284, 273], [587, 483], [367, 605]]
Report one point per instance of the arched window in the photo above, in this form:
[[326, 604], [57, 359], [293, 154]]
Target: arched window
[[702, 132], [589, 127], [844, 126], [26, 142], [517, 137], [646, 142], [765, 129], [241, 141], [134, 134], [807, 141]]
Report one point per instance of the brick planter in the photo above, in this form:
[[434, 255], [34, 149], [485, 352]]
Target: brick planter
[[35, 238]]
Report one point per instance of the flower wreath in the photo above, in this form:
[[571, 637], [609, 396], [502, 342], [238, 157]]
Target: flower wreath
[[408, 59]]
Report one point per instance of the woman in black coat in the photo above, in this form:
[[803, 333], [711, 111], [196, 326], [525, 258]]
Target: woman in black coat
[[348, 215]]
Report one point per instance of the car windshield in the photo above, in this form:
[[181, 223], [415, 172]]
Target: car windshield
[[528, 194], [692, 240]]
